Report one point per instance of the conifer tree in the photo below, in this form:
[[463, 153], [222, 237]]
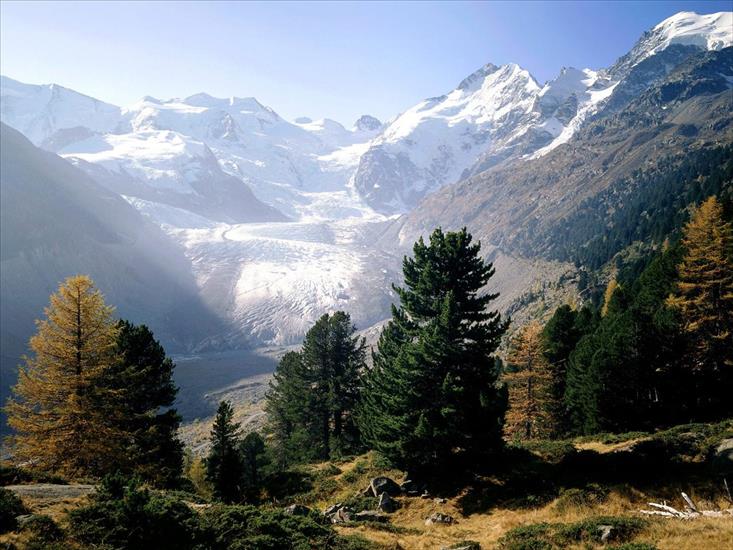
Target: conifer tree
[[224, 468], [561, 335], [144, 379], [253, 451], [314, 392], [704, 299], [63, 416], [528, 378], [431, 399]]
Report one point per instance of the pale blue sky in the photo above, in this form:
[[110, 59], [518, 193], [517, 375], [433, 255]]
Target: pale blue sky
[[338, 60]]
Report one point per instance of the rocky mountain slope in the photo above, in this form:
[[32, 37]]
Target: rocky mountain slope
[[55, 221]]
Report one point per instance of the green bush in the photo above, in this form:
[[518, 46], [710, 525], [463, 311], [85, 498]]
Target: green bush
[[548, 536], [13, 475], [527, 537], [633, 546], [590, 495], [245, 527], [124, 516], [43, 529], [361, 502], [589, 530], [10, 507]]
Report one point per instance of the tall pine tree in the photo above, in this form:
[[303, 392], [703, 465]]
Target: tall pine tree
[[314, 392], [144, 380], [64, 417], [224, 465], [431, 399]]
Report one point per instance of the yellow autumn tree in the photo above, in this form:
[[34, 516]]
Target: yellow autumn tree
[[608, 295], [60, 410], [528, 380], [704, 298]]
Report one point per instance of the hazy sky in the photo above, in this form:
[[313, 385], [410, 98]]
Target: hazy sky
[[337, 60]]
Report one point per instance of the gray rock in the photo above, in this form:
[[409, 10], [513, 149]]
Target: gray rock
[[465, 545], [605, 532], [440, 500], [342, 515], [297, 510], [369, 515], [384, 484], [332, 509], [387, 503], [22, 519], [436, 518]]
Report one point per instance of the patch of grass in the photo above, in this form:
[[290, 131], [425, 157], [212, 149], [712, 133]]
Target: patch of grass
[[633, 546], [359, 503], [384, 527], [550, 450], [527, 537]]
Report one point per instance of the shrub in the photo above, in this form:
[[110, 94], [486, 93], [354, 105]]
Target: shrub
[[240, 527], [527, 537], [43, 529], [361, 502], [590, 495], [547, 536], [10, 507], [123, 516], [633, 546], [589, 530], [13, 475]]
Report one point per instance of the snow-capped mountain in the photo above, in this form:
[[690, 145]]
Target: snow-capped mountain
[[501, 113], [283, 220]]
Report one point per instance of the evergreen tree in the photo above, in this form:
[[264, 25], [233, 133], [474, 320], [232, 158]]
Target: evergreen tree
[[431, 399], [704, 298], [561, 335], [286, 405], [63, 417], [144, 379], [254, 459], [224, 468], [314, 392], [528, 378]]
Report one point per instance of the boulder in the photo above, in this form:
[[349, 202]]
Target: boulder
[[342, 515], [436, 518], [297, 510], [384, 484], [332, 509], [411, 488], [440, 500], [369, 515], [463, 545], [387, 503], [605, 532]]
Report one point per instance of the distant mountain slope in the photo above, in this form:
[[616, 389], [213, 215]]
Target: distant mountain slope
[[55, 221], [555, 206], [502, 113]]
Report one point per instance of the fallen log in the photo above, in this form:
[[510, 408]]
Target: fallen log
[[691, 510]]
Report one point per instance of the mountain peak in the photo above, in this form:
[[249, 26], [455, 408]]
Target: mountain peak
[[713, 31], [477, 76], [367, 123]]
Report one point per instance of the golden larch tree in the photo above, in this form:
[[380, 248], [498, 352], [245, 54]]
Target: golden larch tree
[[704, 294], [61, 411], [528, 380], [704, 298]]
